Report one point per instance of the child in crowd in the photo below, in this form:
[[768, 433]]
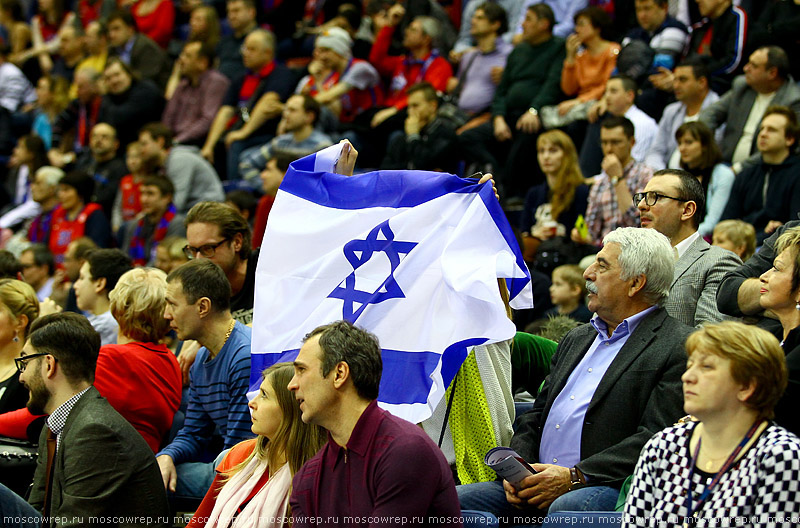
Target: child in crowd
[[568, 292], [737, 236]]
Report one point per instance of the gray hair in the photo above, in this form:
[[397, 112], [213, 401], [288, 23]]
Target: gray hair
[[50, 174], [432, 28], [645, 252], [267, 38]]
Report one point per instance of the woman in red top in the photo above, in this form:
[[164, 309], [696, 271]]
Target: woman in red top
[[77, 216], [253, 481], [156, 19], [139, 376]]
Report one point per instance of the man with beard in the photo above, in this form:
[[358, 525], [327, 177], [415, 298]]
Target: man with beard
[[93, 466]]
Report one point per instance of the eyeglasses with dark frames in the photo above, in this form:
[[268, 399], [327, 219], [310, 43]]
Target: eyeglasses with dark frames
[[22, 362], [207, 251], [652, 197]]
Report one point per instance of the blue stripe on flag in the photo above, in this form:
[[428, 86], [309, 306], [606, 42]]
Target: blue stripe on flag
[[374, 189], [406, 376]]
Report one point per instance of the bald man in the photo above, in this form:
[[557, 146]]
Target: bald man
[[255, 99]]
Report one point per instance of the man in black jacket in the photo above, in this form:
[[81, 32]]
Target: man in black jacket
[[428, 141], [612, 385], [767, 194], [138, 51], [93, 468]]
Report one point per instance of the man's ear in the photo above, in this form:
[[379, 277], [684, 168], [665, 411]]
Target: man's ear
[[203, 306], [689, 210], [637, 285], [341, 373], [99, 285], [49, 364]]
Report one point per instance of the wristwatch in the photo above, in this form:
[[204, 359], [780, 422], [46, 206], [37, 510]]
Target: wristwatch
[[533, 111], [576, 478]]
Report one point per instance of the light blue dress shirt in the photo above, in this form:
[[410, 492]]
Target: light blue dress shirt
[[561, 436]]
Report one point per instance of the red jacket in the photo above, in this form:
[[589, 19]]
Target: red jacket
[[405, 70]]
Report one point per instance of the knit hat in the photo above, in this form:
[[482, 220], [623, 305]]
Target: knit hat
[[335, 39]]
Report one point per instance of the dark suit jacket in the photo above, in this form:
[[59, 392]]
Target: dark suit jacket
[[639, 395], [103, 469], [150, 60]]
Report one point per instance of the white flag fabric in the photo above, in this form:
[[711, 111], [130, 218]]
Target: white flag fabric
[[410, 256]]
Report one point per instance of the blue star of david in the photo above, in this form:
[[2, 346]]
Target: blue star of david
[[359, 252]]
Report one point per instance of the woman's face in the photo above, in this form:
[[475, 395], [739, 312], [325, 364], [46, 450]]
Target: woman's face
[[265, 413], [776, 284], [550, 157], [691, 149], [8, 327], [43, 93], [584, 29], [68, 197], [20, 155], [198, 25], [133, 159], [709, 387]]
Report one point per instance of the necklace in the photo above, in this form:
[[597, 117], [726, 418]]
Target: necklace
[[228, 333]]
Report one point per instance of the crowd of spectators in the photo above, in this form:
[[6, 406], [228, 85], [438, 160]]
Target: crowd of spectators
[[143, 134]]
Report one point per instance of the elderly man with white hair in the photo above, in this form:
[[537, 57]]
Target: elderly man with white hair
[[613, 383], [32, 217]]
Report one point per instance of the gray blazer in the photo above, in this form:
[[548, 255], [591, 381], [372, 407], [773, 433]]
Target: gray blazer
[[103, 468], [733, 109], [698, 273], [639, 395]]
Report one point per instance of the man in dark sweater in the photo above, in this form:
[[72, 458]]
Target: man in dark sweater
[[103, 164], [530, 81], [429, 141], [767, 194]]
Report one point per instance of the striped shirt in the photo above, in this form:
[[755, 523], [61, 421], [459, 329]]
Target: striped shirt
[[217, 399]]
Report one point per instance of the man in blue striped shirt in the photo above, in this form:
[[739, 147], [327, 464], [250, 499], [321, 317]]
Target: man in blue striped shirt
[[198, 307]]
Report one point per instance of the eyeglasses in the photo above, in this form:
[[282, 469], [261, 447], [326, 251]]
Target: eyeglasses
[[22, 362], [207, 251], [651, 197]]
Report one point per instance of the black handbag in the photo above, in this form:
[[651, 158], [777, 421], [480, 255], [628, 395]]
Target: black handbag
[[17, 463]]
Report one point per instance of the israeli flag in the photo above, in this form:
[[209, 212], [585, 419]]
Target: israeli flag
[[411, 256]]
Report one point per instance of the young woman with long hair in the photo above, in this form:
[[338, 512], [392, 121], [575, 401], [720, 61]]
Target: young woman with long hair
[[253, 481]]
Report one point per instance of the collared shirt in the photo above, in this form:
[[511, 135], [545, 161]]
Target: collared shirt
[[477, 88], [390, 467], [645, 129], [561, 436], [58, 419], [125, 51], [603, 214], [684, 244], [191, 109]]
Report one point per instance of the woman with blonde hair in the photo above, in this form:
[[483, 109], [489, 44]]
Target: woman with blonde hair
[[552, 208], [18, 309], [138, 375], [730, 464], [253, 481]]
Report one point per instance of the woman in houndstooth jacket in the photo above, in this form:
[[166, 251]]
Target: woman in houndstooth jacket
[[729, 464]]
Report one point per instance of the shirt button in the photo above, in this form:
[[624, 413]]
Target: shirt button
[[607, 343], [558, 426], [555, 460], [590, 369], [572, 397]]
